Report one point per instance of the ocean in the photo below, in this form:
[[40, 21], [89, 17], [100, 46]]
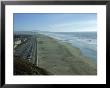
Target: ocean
[[85, 41]]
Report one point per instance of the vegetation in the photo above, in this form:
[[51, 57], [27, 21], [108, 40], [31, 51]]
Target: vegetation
[[24, 67]]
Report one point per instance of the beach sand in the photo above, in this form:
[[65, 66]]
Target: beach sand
[[61, 58]]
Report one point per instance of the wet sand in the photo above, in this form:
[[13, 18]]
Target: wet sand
[[60, 58]]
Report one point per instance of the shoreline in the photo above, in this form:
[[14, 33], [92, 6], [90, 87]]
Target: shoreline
[[61, 58], [87, 50], [72, 48]]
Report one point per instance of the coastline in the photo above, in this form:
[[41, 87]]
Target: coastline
[[60, 58], [87, 47]]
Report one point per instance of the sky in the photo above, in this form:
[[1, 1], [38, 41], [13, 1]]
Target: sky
[[55, 22]]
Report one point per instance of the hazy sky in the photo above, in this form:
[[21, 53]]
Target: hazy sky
[[55, 22]]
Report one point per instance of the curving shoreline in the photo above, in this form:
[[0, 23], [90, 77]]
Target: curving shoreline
[[62, 58]]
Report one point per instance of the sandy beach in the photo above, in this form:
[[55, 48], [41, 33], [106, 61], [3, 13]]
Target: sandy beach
[[60, 58]]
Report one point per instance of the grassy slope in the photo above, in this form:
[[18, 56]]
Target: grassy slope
[[23, 67], [62, 58]]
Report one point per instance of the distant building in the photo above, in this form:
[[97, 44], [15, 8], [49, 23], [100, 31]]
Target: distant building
[[17, 42]]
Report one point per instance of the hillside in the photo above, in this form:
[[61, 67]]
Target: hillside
[[23, 67]]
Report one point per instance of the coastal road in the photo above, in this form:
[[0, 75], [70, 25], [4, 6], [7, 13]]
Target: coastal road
[[34, 55]]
